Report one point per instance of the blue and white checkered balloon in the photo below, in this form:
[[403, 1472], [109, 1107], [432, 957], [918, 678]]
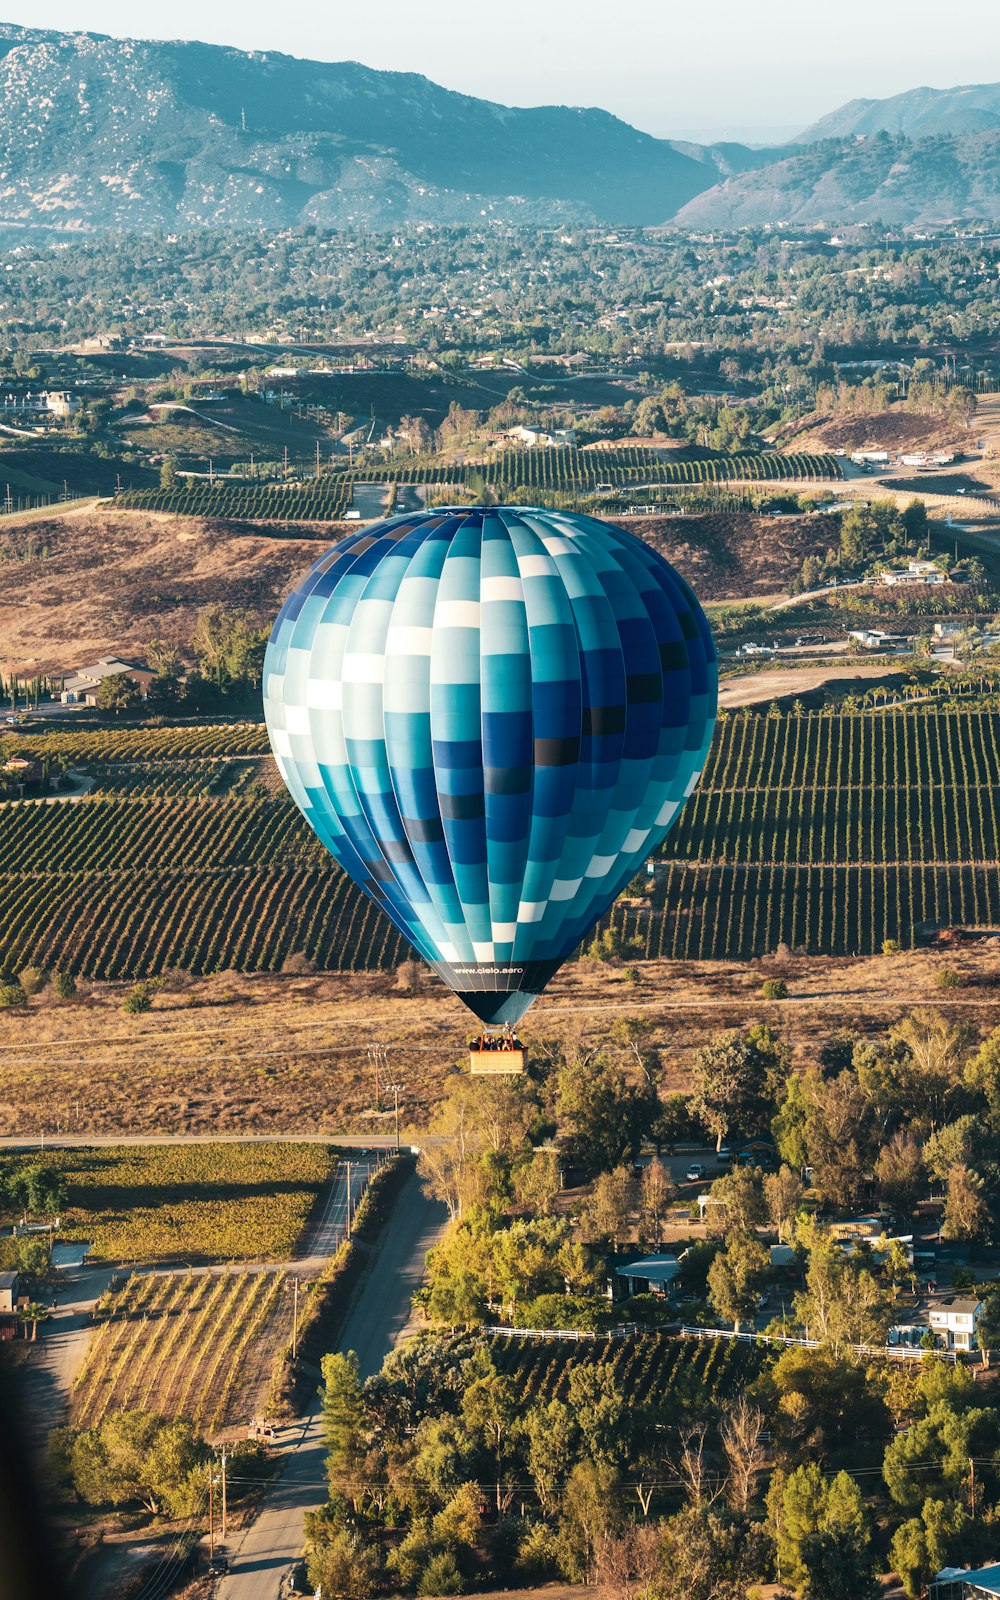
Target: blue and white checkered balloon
[[490, 716]]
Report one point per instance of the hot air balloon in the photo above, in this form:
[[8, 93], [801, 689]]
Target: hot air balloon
[[491, 716]]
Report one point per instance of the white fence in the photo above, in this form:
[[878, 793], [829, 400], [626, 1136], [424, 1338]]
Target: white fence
[[627, 1330], [895, 1352]]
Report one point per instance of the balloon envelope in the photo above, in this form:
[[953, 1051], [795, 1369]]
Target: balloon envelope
[[490, 716]]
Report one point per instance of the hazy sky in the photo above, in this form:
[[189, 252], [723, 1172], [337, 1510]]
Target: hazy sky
[[710, 69]]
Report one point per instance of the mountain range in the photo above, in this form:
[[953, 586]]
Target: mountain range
[[99, 133]]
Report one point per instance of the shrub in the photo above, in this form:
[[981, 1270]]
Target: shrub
[[31, 979], [774, 989], [632, 975], [441, 1576], [408, 975], [64, 985], [137, 1000], [948, 978], [298, 965], [891, 947], [963, 1278], [11, 994]]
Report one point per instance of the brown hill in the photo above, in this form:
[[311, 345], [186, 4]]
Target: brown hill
[[112, 581], [895, 429], [82, 586]]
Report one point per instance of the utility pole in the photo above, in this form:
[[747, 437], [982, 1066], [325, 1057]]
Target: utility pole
[[394, 1089], [295, 1318], [378, 1060], [211, 1514], [224, 1508], [317, 459], [348, 1199]]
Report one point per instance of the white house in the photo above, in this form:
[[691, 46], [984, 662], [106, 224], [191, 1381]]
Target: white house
[[536, 437], [8, 1293], [955, 1320], [876, 639]]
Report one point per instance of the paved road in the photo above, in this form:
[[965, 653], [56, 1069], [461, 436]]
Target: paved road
[[377, 1318]]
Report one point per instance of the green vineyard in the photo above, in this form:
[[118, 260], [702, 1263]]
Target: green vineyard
[[649, 1369], [564, 471], [829, 833]]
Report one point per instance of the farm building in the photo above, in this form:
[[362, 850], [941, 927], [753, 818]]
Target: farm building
[[82, 687]]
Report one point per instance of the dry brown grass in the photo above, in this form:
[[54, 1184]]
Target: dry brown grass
[[116, 580], [237, 1054]]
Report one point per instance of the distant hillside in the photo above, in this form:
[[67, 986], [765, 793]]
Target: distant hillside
[[106, 133], [919, 114], [882, 178]]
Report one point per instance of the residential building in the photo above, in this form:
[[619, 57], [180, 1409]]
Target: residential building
[[964, 1583], [650, 1275], [9, 1288], [82, 687], [955, 1320]]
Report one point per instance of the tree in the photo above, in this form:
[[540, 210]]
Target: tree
[[900, 1172], [817, 1400], [824, 1547], [844, 1303], [922, 1545], [958, 1143], [657, 1190], [734, 1278], [343, 1420], [736, 1203], [603, 1113], [64, 985], [943, 1443], [168, 473], [343, 1566], [784, 1192], [966, 1212], [936, 1049], [742, 1432], [551, 1435], [789, 1125], [837, 1136], [737, 1078], [610, 1207], [118, 692], [31, 979], [537, 1183], [34, 1313], [706, 1556], [589, 1516], [490, 1410]]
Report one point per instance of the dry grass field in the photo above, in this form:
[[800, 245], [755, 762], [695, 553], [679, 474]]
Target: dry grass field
[[187, 1344], [242, 1054]]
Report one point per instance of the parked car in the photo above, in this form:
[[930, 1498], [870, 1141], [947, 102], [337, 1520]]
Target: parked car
[[695, 1171], [724, 1155]]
